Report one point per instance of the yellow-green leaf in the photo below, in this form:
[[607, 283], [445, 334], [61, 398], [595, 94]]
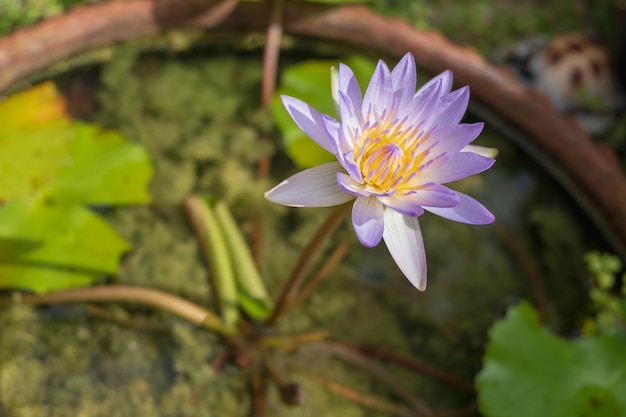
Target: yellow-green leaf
[[50, 169]]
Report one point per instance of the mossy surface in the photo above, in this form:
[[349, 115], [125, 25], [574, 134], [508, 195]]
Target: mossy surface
[[198, 115]]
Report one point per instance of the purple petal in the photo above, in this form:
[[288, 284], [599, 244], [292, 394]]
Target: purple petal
[[378, 95], [452, 139], [349, 85], [467, 211], [434, 195], [308, 119], [457, 166], [313, 187], [402, 205], [449, 109], [351, 186], [445, 78], [367, 218], [422, 104], [403, 238], [333, 128], [345, 157], [403, 80], [351, 122]]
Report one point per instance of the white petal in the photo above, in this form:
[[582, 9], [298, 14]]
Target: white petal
[[367, 219], [334, 87], [313, 187], [481, 150], [403, 238]]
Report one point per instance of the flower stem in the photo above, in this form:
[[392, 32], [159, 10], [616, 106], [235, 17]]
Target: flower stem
[[380, 373], [321, 275], [525, 260], [105, 293], [361, 398], [271, 52], [414, 364], [289, 291]]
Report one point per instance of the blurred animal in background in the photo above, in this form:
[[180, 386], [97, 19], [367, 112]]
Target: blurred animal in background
[[575, 73]]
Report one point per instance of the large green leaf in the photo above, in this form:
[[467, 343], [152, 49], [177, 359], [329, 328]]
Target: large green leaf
[[50, 169], [34, 141], [531, 372], [309, 81], [106, 170], [42, 279], [60, 236]]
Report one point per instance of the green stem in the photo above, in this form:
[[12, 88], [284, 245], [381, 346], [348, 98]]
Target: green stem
[[289, 291], [107, 293]]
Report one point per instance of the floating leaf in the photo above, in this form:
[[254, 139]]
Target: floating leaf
[[50, 168], [65, 236], [106, 169], [42, 279], [309, 81], [531, 372]]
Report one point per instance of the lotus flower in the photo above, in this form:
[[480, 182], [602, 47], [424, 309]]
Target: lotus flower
[[395, 149]]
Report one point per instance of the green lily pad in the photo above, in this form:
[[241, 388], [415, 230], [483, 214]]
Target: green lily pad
[[50, 169], [531, 372], [106, 169], [59, 236], [309, 81]]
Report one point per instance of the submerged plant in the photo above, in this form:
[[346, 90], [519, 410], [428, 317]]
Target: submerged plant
[[395, 149]]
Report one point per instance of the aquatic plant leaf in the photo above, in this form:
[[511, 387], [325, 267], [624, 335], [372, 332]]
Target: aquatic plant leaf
[[215, 250], [531, 372], [310, 82], [251, 292], [60, 237], [22, 276], [50, 168], [34, 141], [106, 169]]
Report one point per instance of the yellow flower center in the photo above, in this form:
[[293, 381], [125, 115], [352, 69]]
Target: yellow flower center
[[388, 153]]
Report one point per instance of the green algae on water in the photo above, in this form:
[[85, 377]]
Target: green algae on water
[[198, 114]]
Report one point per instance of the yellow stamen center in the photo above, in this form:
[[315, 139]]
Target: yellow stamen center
[[389, 154]]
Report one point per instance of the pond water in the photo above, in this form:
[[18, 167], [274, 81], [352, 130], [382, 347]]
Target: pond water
[[198, 115]]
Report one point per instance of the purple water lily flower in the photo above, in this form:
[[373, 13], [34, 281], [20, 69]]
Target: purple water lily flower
[[395, 148]]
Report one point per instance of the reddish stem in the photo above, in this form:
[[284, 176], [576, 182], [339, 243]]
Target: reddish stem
[[416, 365], [537, 285]]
